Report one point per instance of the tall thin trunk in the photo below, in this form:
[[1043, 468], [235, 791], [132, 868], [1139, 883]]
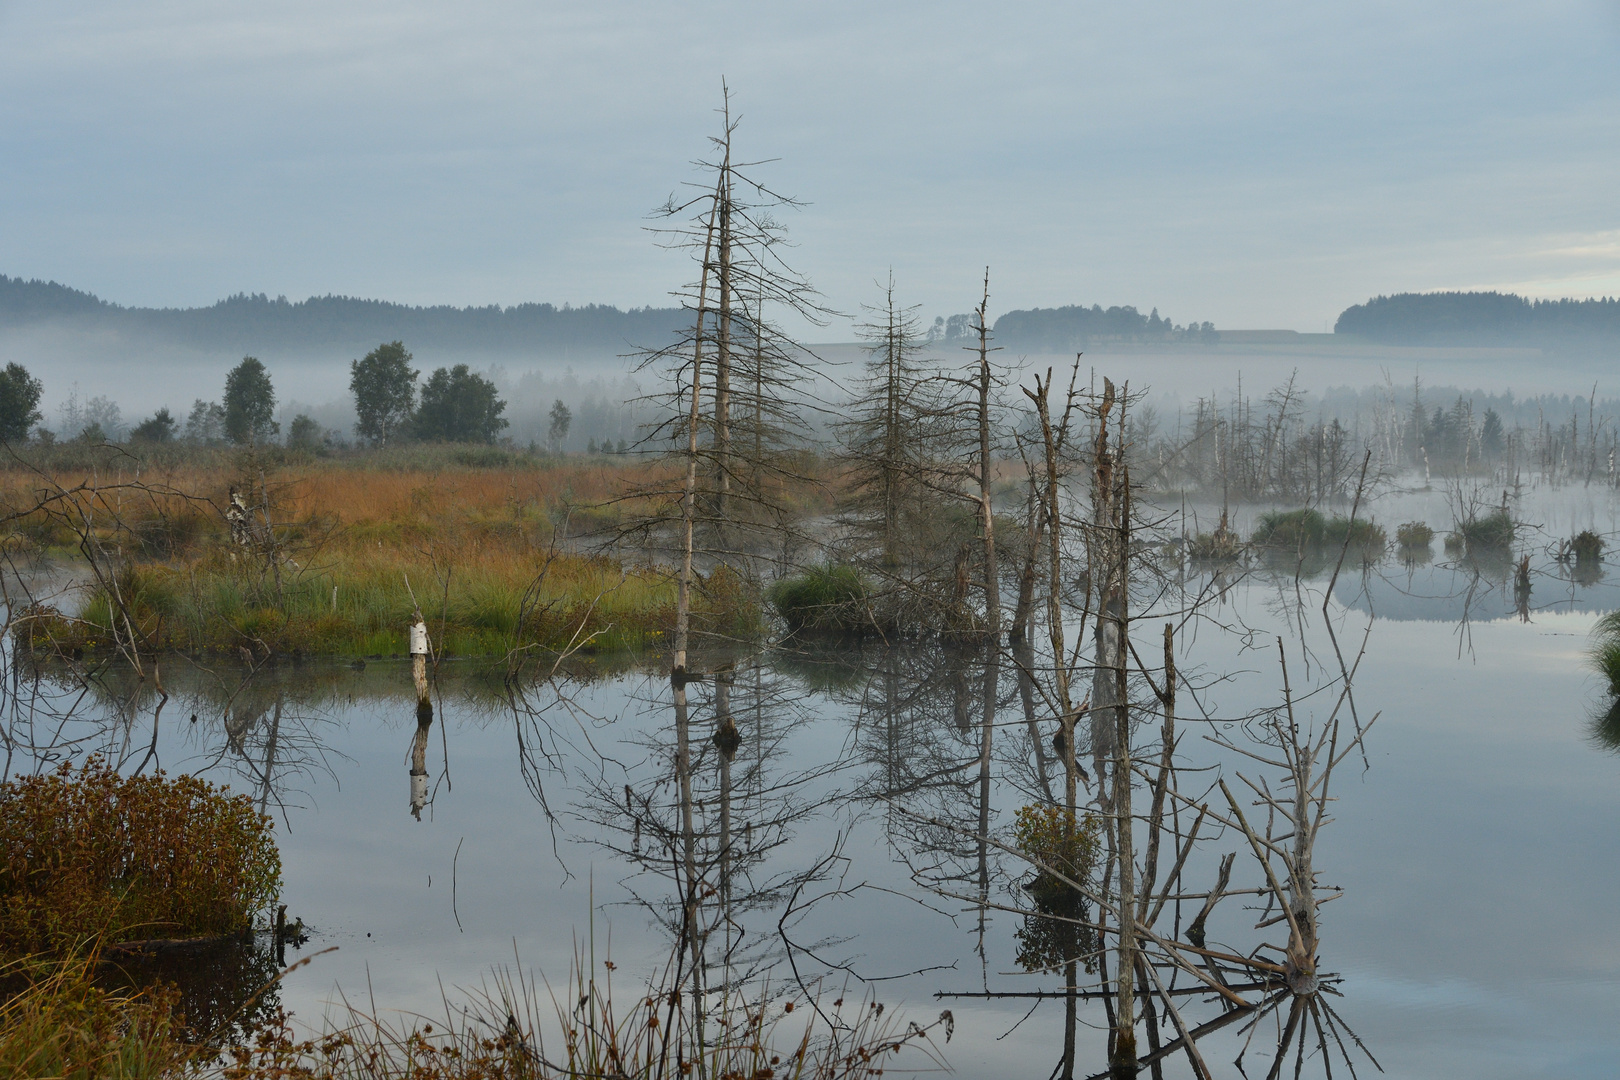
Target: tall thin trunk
[[1125, 1025], [722, 356], [1060, 676], [987, 520], [992, 673], [683, 614]]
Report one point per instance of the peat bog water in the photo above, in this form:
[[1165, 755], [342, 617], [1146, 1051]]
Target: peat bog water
[[1474, 841]]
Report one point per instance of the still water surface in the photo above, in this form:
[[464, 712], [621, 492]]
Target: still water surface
[[1477, 935]]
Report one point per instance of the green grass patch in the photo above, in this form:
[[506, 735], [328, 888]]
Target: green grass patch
[[1492, 533], [1414, 534], [1307, 530], [1296, 530], [355, 606], [828, 599]]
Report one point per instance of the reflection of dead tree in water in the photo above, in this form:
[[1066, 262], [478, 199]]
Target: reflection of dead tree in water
[[1157, 968]]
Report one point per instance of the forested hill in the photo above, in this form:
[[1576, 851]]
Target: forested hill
[[1481, 318], [1065, 329], [244, 323]]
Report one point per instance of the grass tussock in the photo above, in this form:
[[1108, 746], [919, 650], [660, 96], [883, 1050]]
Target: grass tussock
[[1587, 546], [90, 858], [828, 599], [1487, 535], [1606, 649], [1414, 535], [58, 1021], [1307, 530]]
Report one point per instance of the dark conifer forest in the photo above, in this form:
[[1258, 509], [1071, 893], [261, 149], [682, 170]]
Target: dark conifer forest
[[247, 322], [1481, 318]]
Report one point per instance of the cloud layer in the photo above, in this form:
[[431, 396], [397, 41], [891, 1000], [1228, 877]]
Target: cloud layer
[[1254, 164]]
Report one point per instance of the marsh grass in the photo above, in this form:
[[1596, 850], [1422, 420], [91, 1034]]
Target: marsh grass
[[90, 858], [1605, 652], [1587, 546], [832, 598], [1489, 535], [1307, 529], [58, 1020], [355, 605], [1291, 529], [487, 552], [503, 1031], [1414, 535]]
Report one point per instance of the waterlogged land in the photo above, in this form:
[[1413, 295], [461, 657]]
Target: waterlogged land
[[837, 842], [504, 553]]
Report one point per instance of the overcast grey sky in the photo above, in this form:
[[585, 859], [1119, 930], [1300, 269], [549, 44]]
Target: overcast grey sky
[[1256, 164]]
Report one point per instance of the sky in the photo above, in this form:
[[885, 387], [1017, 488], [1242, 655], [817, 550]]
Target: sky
[[1252, 164]]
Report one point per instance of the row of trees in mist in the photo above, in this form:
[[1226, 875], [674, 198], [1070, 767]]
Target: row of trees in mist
[[1481, 318], [453, 405], [256, 322]]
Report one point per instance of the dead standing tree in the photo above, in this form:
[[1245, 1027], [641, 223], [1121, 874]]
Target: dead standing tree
[[735, 241]]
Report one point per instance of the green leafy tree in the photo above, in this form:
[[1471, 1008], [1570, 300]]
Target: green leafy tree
[[159, 428], [459, 406], [206, 424], [19, 403], [250, 404], [304, 433], [558, 432], [384, 388]]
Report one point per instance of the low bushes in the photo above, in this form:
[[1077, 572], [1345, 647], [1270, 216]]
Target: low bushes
[[1058, 927], [89, 857]]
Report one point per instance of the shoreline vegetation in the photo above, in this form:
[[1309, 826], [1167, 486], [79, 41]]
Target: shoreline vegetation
[[503, 553], [99, 866], [268, 552]]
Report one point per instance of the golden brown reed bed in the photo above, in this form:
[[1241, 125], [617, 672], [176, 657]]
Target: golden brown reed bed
[[495, 555]]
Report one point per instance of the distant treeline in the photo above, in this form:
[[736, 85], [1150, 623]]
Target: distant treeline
[[1481, 318], [247, 323], [1065, 329]]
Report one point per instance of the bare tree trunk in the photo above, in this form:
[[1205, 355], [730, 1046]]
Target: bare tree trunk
[[1060, 675], [1124, 1064], [987, 520], [683, 613], [722, 356]]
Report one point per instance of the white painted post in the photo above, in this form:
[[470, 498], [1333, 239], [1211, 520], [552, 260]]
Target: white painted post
[[424, 717]]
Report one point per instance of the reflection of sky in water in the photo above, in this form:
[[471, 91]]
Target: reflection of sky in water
[[1477, 935]]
